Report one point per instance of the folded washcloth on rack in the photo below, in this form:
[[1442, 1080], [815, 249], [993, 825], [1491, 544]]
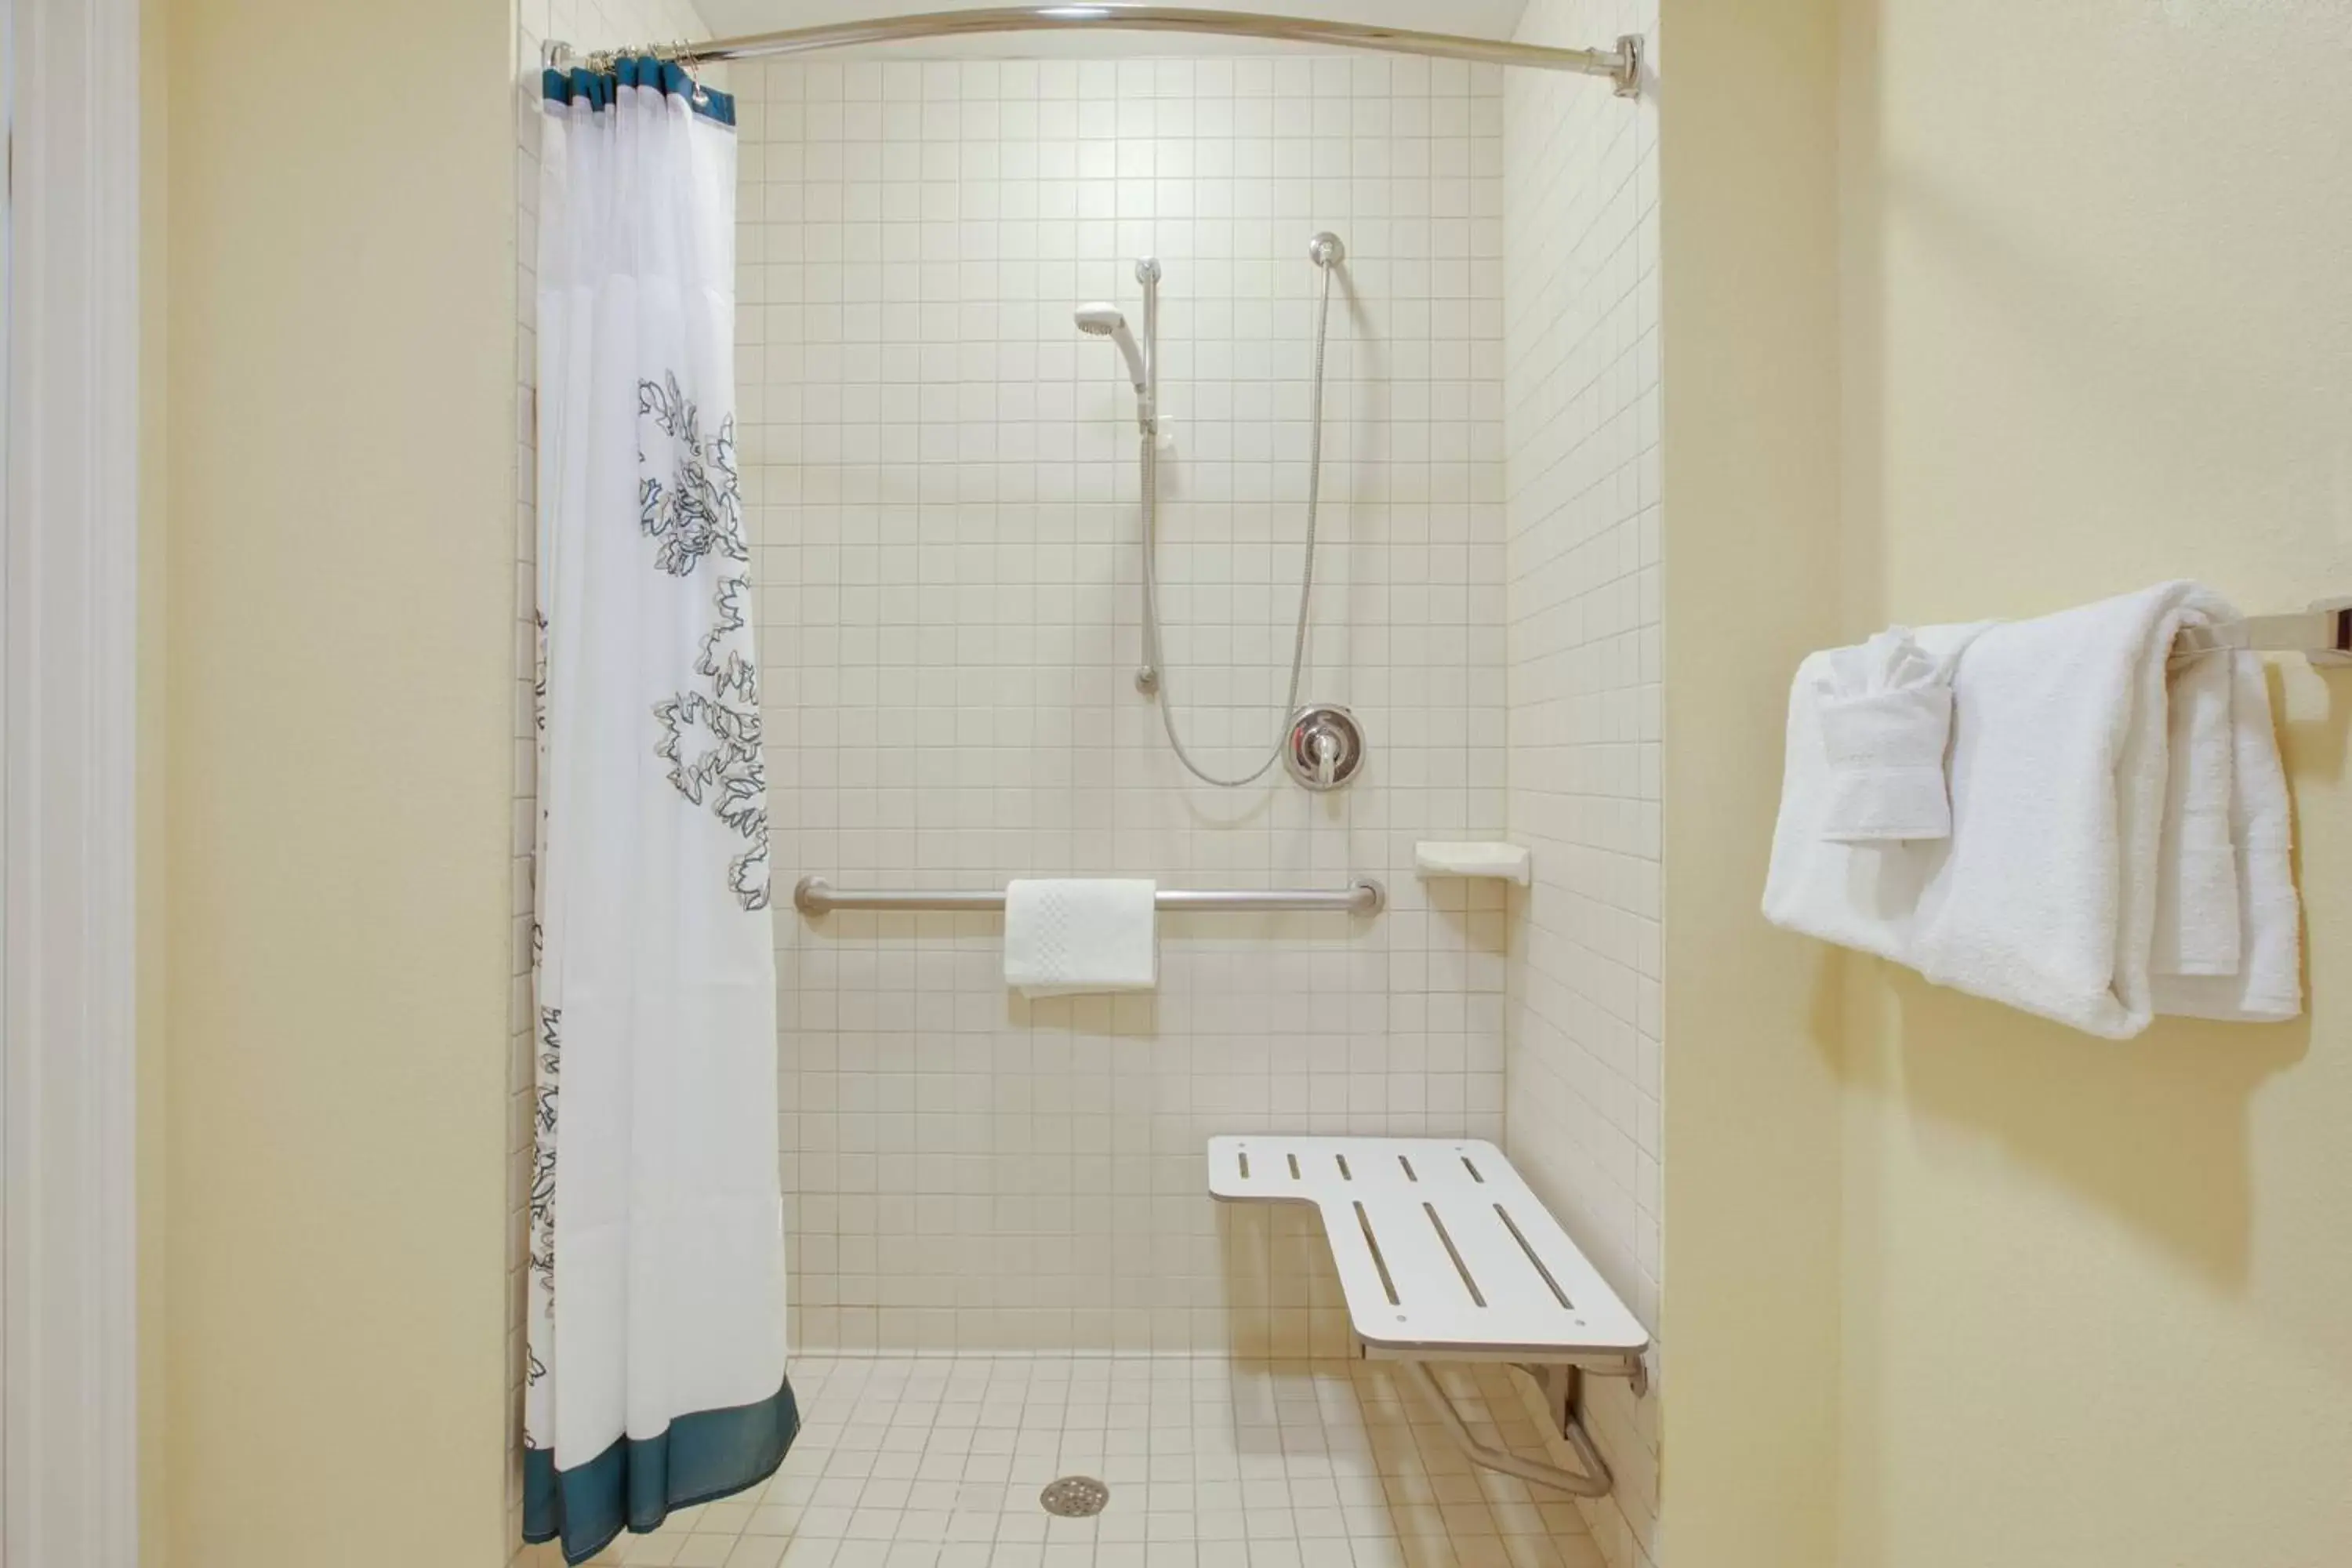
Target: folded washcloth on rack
[[1885, 711], [2113, 852], [1062, 937]]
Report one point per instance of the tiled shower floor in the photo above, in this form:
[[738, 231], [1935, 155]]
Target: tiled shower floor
[[936, 1462]]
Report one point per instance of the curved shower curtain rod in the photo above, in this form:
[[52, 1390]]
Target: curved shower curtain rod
[[1622, 64]]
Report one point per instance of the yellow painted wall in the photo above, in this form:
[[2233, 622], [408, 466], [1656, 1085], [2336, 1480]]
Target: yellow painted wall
[[1748, 299], [341, 418], [2097, 329]]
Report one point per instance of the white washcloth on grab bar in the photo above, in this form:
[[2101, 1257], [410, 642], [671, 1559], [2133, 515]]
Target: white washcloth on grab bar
[[2118, 843], [1067, 936]]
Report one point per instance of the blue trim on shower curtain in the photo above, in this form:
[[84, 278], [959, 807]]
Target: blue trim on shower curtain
[[635, 1483], [599, 88]]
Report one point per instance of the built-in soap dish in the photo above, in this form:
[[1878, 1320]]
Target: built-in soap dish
[[1509, 861]]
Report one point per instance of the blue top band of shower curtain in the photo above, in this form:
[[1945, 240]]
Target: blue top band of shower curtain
[[638, 70]]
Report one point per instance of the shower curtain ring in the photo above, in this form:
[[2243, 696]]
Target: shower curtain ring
[[701, 97]]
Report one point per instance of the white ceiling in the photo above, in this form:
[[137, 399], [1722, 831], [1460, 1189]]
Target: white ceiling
[[1477, 18]]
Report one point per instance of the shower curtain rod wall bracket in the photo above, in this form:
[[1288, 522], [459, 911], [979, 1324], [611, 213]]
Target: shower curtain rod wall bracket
[[1622, 64], [1628, 74]]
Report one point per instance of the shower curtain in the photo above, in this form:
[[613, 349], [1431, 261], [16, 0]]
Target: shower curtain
[[655, 1339]]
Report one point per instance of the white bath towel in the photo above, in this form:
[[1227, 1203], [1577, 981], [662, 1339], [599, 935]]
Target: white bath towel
[[1062, 937], [2047, 895]]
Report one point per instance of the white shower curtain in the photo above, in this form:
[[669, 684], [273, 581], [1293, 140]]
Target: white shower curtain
[[656, 1375]]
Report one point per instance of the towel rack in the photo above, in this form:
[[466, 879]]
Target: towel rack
[[2322, 634], [815, 896]]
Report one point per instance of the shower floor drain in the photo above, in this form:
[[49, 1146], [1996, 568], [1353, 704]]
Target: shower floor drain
[[1075, 1496]]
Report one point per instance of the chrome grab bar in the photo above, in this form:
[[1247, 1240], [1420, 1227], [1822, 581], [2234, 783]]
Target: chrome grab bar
[[815, 896]]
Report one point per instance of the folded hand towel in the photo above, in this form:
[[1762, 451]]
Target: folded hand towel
[[2046, 896], [2268, 984], [1862, 894], [1062, 937], [1885, 717], [2197, 867]]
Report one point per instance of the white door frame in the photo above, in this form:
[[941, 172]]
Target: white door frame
[[68, 704]]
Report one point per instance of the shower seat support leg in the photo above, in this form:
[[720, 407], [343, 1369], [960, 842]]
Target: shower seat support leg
[[1595, 1480]]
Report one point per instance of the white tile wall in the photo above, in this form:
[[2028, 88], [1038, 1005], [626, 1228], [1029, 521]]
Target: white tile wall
[[584, 24], [943, 493], [1584, 517]]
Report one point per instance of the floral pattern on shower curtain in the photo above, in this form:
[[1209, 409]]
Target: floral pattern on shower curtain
[[656, 1336]]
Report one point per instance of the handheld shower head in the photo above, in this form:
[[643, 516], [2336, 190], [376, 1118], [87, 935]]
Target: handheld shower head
[[1101, 321]]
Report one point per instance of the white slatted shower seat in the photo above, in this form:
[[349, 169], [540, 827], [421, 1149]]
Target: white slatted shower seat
[[1445, 1254]]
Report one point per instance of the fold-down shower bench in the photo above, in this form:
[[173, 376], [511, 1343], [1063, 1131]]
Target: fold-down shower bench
[[1445, 1254]]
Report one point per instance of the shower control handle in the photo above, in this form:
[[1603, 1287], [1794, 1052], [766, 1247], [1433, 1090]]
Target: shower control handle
[[1324, 748]]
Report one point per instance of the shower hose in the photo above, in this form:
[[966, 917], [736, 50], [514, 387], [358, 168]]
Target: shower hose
[[1151, 465]]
